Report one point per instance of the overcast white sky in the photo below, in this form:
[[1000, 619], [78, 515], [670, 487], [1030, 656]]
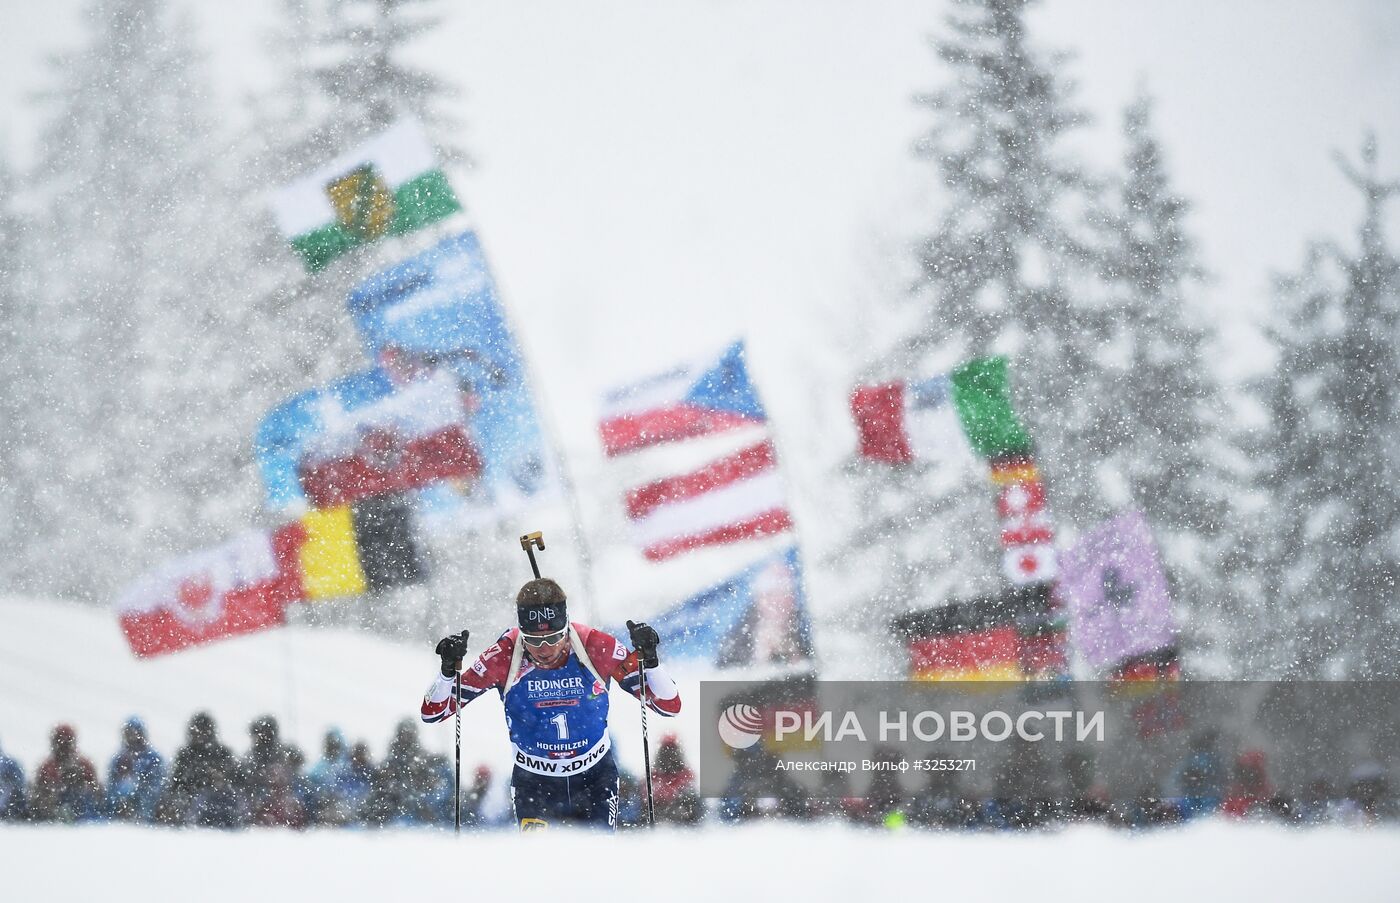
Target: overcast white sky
[[783, 126]]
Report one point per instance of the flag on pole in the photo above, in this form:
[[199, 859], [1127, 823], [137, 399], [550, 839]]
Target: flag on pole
[[974, 640], [409, 439], [288, 431], [961, 415], [1152, 681], [358, 548], [239, 587], [737, 497], [389, 185], [1120, 605], [982, 392], [990, 653], [1016, 635], [902, 422], [757, 617], [1027, 535], [957, 418], [705, 397], [439, 312], [1156, 666]]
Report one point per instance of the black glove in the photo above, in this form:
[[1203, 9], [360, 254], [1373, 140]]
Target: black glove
[[452, 649], [644, 640]]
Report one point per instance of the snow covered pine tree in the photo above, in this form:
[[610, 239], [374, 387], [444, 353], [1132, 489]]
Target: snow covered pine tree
[[1332, 452]]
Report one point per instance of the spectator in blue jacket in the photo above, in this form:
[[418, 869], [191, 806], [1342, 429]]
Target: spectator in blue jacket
[[135, 776], [329, 781], [12, 799], [359, 780], [1200, 779]]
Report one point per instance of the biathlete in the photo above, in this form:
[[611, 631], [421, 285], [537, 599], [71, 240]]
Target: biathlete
[[553, 676]]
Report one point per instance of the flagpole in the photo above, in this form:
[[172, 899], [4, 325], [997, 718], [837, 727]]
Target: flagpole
[[770, 427], [454, 225], [550, 436], [289, 686], [537, 394], [797, 541], [585, 552]]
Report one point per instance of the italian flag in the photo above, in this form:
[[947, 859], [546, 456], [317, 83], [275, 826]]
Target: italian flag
[[962, 414], [389, 185]]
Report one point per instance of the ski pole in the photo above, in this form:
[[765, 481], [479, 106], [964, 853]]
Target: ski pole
[[646, 744], [529, 542], [457, 771], [646, 749]]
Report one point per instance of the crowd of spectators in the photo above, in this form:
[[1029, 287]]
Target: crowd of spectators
[[206, 785], [1028, 793]]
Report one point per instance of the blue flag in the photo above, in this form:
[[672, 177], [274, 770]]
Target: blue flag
[[757, 617], [439, 311]]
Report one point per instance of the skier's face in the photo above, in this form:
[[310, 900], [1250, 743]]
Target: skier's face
[[548, 650]]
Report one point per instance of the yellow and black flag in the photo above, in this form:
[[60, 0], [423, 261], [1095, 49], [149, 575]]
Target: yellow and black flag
[[361, 547]]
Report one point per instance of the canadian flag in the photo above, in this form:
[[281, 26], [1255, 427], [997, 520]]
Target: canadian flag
[[1027, 535], [239, 587], [1024, 565], [737, 497]]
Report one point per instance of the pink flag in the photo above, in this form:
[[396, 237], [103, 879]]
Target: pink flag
[[1118, 598]]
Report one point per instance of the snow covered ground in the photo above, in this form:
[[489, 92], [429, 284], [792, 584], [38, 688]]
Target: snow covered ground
[[62, 662], [1206, 862]]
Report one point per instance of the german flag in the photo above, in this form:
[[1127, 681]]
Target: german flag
[[992, 654], [1017, 468], [1161, 665], [1014, 636], [975, 640], [1154, 680]]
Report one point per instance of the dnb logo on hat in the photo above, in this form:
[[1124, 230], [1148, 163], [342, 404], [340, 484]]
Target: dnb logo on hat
[[542, 617], [740, 726]]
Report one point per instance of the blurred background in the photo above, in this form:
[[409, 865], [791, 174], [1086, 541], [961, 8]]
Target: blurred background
[[1171, 227]]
